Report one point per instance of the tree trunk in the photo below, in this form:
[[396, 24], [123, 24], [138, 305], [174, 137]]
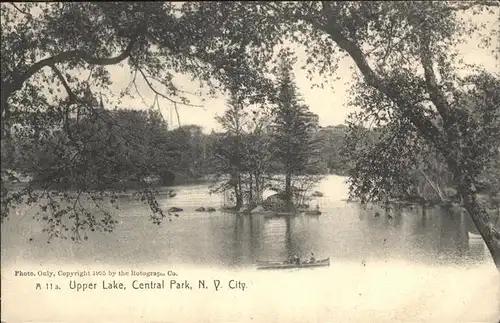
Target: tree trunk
[[239, 199], [235, 183], [481, 220], [250, 192], [288, 191], [239, 194], [258, 193]]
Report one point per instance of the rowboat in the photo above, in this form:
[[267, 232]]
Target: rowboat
[[313, 212], [475, 236], [285, 265]]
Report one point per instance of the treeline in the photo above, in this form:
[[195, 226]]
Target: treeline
[[125, 148], [94, 148]]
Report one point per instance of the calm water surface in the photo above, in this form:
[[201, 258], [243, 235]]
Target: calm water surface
[[408, 268], [345, 232]]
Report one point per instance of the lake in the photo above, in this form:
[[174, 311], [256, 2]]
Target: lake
[[414, 266]]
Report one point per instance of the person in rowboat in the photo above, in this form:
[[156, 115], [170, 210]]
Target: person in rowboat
[[291, 260], [312, 259], [294, 260]]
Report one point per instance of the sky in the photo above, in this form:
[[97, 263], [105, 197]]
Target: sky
[[330, 103]]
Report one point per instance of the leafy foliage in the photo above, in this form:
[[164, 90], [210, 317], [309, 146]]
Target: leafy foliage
[[243, 152], [55, 56]]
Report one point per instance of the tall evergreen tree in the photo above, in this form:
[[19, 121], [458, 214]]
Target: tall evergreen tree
[[293, 145]]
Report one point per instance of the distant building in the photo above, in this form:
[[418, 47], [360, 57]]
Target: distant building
[[312, 119], [334, 129], [193, 129]]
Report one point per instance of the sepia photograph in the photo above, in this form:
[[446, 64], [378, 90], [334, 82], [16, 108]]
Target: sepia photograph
[[250, 161]]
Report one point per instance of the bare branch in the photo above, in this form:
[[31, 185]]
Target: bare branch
[[150, 85], [131, 83], [434, 187], [137, 89], [177, 113], [168, 85], [96, 203]]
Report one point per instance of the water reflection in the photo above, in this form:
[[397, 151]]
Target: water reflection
[[344, 231]]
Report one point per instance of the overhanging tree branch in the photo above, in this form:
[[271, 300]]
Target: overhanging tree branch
[[425, 126], [435, 93], [20, 78], [72, 97]]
